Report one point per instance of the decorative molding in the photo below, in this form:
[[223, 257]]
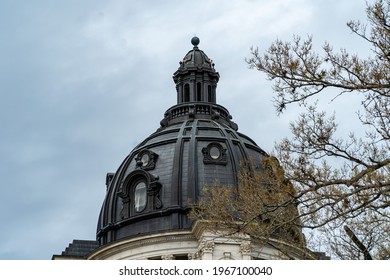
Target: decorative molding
[[133, 244], [167, 257], [146, 160], [246, 247], [109, 178], [194, 256], [207, 247], [195, 110], [154, 190], [214, 153], [227, 256]]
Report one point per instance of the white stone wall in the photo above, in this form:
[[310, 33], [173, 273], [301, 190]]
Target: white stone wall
[[198, 244]]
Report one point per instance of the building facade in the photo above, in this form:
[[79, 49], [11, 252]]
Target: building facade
[[145, 212]]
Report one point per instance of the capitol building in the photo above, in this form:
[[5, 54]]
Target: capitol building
[[144, 214]]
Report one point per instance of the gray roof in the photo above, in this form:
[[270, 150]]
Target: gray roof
[[78, 249]]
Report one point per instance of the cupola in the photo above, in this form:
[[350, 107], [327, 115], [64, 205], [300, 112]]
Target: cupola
[[196, 79], [149, 197]]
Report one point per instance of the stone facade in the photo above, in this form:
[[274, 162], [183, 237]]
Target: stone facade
[[197, 244]]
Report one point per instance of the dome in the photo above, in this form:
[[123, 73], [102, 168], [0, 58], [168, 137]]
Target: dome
[[197, 58], [197, 144], [145, 211], [153, 189]]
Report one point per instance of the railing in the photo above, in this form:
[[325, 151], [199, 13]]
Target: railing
[[198, 109]]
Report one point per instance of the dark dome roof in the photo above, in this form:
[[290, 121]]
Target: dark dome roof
[[196, 145], [175, 162], [196, 57]]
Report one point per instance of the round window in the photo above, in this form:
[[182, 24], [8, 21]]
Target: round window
[[215, 153], [140, 196]]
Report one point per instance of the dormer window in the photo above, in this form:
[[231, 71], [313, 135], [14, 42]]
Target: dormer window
[[140, 196], [140, 192]]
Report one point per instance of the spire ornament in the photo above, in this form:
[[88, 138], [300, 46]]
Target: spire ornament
[[195, 41]]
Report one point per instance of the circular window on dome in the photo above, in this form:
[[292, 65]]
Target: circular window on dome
[[146, 160], [140, 196], [214, 153]]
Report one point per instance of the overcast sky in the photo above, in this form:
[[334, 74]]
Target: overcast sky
[[83, 82]]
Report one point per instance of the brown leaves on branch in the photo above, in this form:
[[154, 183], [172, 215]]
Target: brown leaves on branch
[[299, 72], [262, 206], [338, 180], [334, 179]]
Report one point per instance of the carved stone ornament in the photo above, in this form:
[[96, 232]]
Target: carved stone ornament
[[167, 257], [227, 256], [165, 121], [207, 247], [146, 160], [193, 256], [245, 247]]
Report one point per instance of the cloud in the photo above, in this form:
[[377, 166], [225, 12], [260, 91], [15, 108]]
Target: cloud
[[82, 83]]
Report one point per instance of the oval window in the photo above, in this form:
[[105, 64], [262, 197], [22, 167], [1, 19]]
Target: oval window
[[140, 196], [145, 159], [215, 153]]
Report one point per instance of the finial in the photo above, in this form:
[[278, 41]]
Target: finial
[[195, 41]]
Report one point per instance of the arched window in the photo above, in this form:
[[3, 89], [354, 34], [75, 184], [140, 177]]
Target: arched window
[[140, 192], [213, 94], [186, 93], [209, 95], [198, 92], [140, 196]]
